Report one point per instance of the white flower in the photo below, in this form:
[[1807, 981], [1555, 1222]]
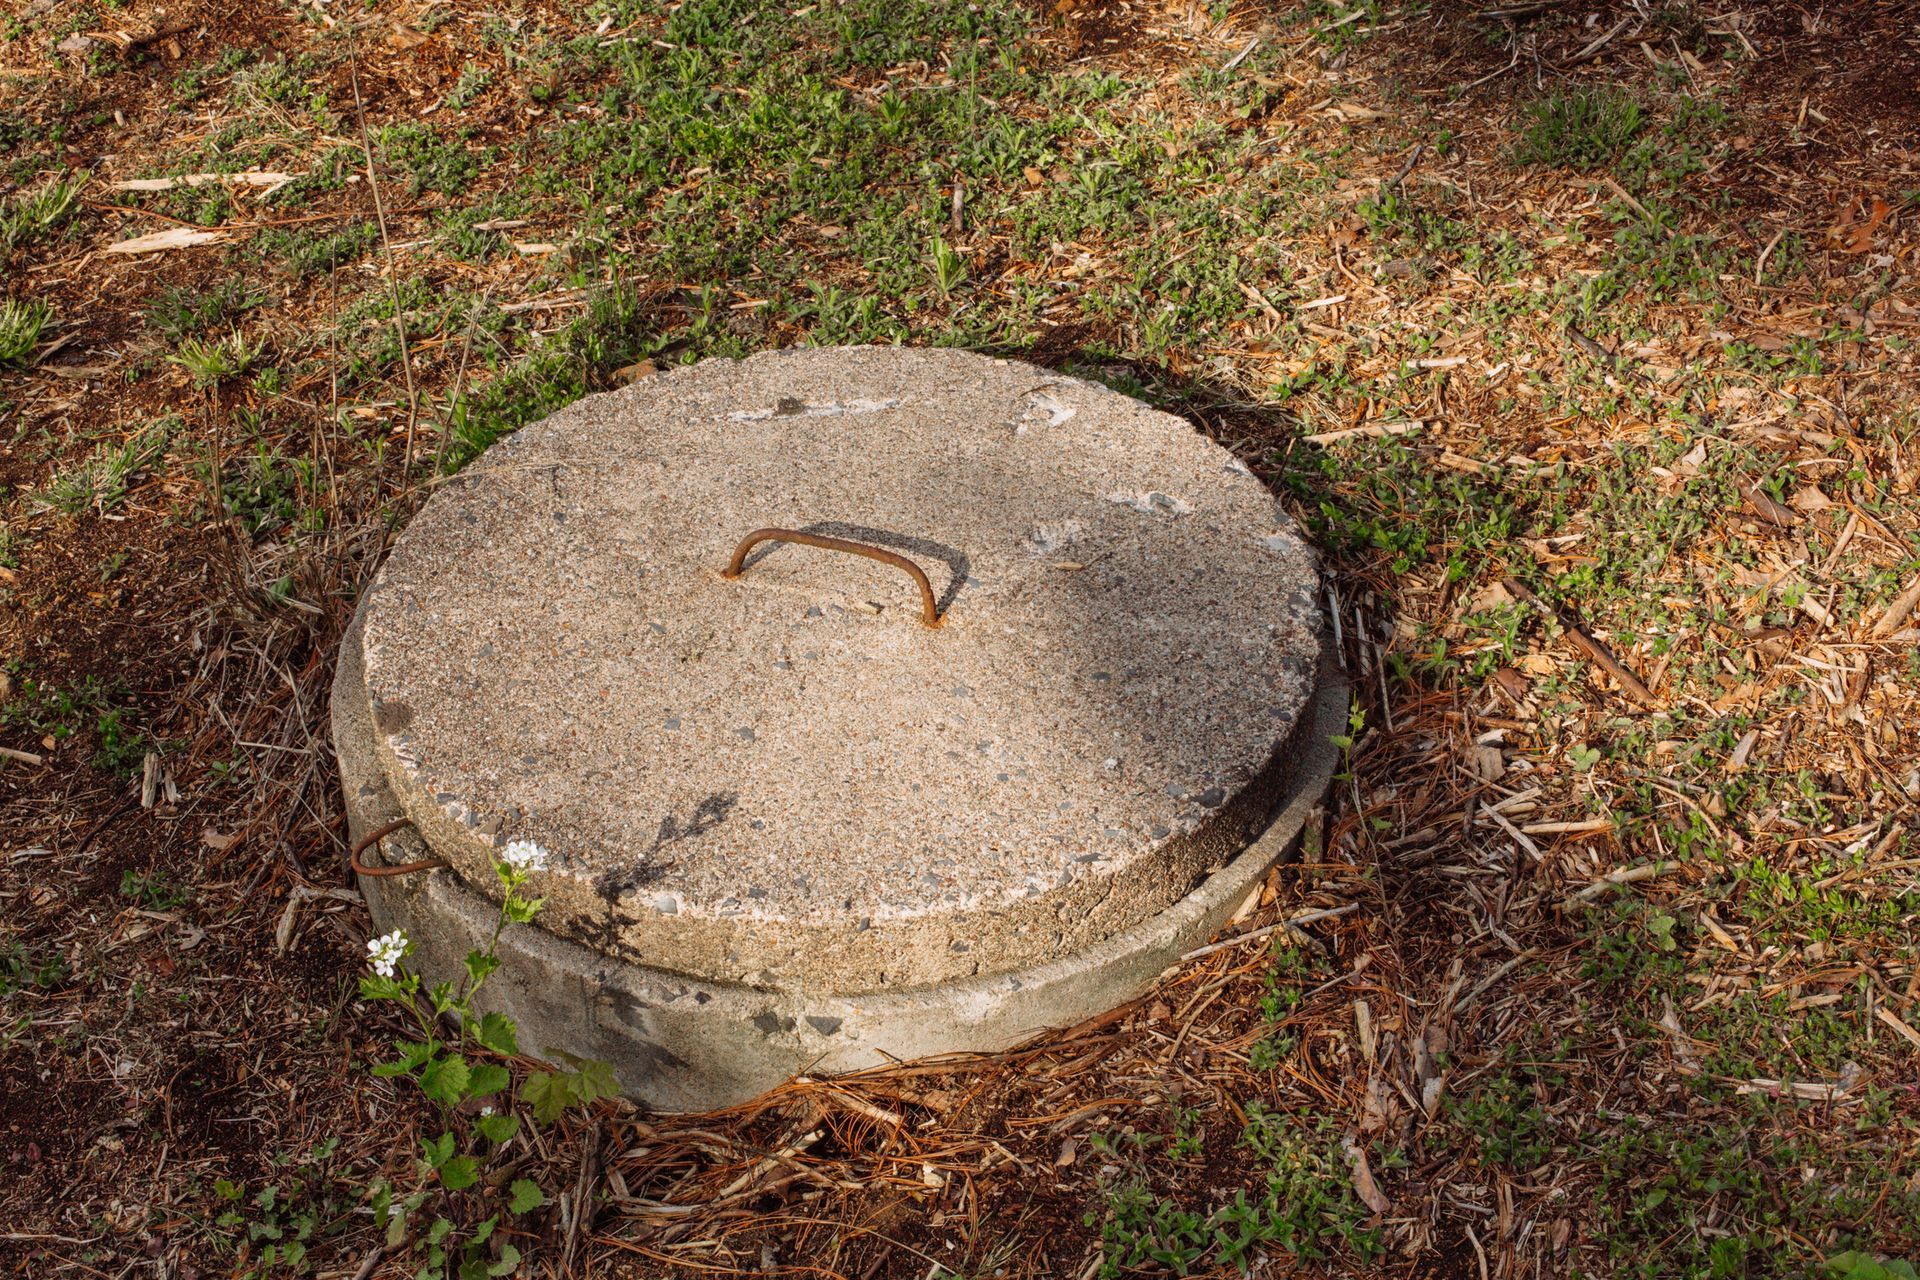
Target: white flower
[[486, 1110], [384, 953], [524, 856]]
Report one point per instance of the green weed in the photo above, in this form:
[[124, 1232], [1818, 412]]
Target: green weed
[[27, 218], [179, 312], [101, 482], [1580, 128], [49, 711], [1302, 1204], [25, 968], [153, 890], [21, 324], [211, 362]]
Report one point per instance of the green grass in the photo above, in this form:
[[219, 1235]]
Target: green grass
[[213, 361], [615, 331], [25, 219], [1580, 128], [181, 312], [101, 482], [21, 324]]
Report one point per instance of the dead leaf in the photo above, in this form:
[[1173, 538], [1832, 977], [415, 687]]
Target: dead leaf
[[217, 842], [1490, 597], [1489, 763], [1363, 1184], [1853, 232], [1763, 505], [1512, 683], [1809, 498], [628, 373]]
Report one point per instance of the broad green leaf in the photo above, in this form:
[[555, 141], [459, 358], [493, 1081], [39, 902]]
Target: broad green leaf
[[459, 1173], [497, 1032], [595, 1080], [438, 1150], [445, 1079], [486, 1079], [497, 1128], [480, 965], [375, 987], [547, 1093], [412, 1054], [527, 1196], [509, 1261]]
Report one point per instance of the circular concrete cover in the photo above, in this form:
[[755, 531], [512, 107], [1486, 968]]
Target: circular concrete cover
[[786, 779]]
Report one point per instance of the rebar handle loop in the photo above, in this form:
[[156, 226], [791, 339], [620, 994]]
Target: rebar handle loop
[[929, 610]]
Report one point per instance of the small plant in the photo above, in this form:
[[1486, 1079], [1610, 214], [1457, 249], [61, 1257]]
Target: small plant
[[430, 162], [1303, 1205], [434, 1220], [153, 890], [20, 326], [122, 749], [267, 491], [310, 253], [180, 313], [25, 219], [101, 482], [53, 712], [210, 362], [22, 967], [948, 267], [1584, 129], [473, 81]]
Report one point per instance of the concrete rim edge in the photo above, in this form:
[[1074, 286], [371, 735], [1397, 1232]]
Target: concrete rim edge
[[731, 1043]]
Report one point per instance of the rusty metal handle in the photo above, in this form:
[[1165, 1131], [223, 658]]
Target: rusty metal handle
[[373, 838], [929, 610]]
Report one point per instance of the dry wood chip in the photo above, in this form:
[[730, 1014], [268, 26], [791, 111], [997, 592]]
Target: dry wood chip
[[1372, 429], [1897, 612], [250, 178], [1892, 1019], [171, 238]]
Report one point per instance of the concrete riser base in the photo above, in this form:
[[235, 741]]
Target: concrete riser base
[[680, 1044]]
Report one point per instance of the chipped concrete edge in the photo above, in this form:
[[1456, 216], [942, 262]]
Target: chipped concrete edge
[[681, 1044]]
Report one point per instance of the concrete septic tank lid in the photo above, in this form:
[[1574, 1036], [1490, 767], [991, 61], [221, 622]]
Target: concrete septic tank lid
[[786, 780]]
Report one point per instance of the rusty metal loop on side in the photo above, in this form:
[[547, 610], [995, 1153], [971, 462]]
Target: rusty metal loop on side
[[375, 837], [929, 609]]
